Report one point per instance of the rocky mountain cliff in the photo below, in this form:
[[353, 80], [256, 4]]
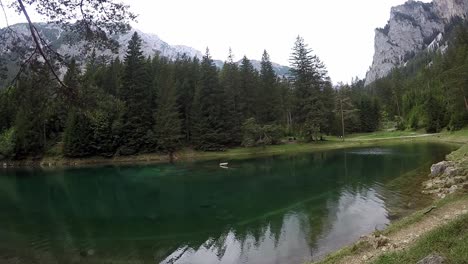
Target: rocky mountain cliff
[[413, 27], [58, 40]]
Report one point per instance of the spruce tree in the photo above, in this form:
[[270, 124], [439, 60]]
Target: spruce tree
[[167, 122], [229, 79], [248, 84], [210, 130], [267, 101], [308, 76], [137, 125]]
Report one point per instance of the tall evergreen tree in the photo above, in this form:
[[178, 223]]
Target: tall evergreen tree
[[137, 127], [248, 79], [167, 122], [209, 131], [308, 75], [187, 71], [267, 101], [229, 79]]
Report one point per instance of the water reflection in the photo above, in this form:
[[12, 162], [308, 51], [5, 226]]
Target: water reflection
[[286, 209]]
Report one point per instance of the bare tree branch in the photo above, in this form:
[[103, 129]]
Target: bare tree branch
[[4, 13], [38, 44]]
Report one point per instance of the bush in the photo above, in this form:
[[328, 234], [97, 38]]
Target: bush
[[258, 135], [7, 143], [458, 121]]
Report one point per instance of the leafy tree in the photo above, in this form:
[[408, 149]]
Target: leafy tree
[[7, 143], [255, 134], [435, 115]]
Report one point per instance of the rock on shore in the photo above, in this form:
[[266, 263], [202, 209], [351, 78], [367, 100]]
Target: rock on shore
[[448, 176]]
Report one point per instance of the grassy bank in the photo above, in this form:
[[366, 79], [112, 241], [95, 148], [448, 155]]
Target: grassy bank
[[357, 140], [450, 241]]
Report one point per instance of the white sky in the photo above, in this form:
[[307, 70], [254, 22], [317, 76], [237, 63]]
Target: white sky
[[341, 32]]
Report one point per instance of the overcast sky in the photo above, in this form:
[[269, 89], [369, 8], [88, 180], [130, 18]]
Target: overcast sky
[[341, 32]]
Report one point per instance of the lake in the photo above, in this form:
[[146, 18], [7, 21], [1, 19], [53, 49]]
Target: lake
[[281, 209]]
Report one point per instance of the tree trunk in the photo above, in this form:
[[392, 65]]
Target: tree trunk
[[342, 119]]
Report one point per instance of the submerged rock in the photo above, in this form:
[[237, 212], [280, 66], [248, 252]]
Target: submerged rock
[[432, 259]]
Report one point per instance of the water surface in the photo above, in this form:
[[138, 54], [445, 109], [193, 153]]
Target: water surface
[[283, 209]]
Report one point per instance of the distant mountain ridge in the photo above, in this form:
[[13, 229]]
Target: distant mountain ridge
[[413, 27], [151, 44]]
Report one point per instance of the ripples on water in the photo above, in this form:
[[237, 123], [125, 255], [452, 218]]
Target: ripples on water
[[285, 209]]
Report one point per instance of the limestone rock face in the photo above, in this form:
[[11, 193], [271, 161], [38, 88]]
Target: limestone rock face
[[448, 9], [413, 27]]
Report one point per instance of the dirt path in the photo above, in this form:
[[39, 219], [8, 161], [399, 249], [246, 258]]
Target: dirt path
[[405, 237]]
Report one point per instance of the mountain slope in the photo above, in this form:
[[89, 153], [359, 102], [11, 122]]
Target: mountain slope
[[413, 27], [60, 40]]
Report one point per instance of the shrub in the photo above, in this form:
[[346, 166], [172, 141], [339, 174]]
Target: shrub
[[7, 143]]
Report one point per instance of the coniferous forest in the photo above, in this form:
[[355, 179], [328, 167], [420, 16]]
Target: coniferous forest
[[160, 105]]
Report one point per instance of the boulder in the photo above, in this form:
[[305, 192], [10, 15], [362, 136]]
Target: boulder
[[379, 241], [439, 168], [453, 189], [451, 171], [432, 259]]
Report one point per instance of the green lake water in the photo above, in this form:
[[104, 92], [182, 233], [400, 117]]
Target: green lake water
[[281, 209]]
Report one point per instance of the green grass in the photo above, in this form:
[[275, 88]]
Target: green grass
[[459, 155], [450, 241], [384, 134], [356, 140]]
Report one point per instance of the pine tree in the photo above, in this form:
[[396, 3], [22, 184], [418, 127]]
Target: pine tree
[[248, 83], [78, 135], [167, 122], [229, 79], [187, 72], [308, 76], [137, 126], [209, 132], [267, 101], [31, 122], [111, 80]]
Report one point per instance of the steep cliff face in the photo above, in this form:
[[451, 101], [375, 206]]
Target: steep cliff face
[[447, 9], [413, 27]]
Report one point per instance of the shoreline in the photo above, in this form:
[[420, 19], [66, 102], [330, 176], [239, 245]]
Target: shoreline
[[410, 236], [190, 155]]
